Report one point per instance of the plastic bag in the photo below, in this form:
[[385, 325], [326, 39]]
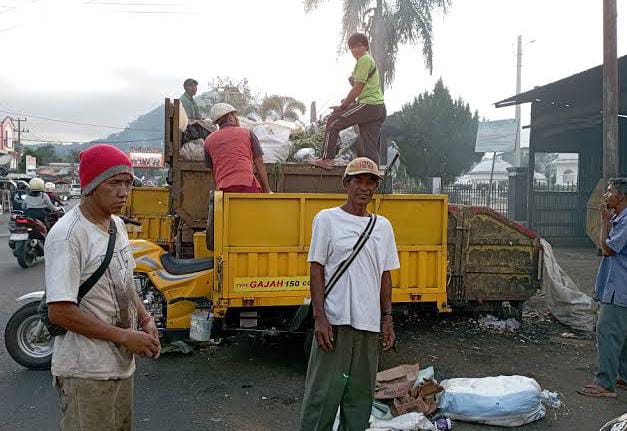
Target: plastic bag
[[275, 142], [564, 299], [407, 422], [193, 150], [618, 424], [507, 401]]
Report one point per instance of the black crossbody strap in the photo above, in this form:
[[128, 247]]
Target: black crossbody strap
[[372, 72], [342, 267], [93, 279]]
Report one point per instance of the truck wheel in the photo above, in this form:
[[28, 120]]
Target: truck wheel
[[24, 256], [28, 343]]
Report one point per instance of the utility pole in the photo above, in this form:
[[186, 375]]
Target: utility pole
[[610, 91], [517, 152], [18, 145]]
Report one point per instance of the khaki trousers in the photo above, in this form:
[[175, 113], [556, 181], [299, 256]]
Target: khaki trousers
[[95, 405], [344, 377]]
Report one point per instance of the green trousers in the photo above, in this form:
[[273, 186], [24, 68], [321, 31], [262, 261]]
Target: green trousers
[[344, 377], [611, 345]]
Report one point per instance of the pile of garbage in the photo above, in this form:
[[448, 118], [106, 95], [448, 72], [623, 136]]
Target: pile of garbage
[[282, 141], [410, 399]]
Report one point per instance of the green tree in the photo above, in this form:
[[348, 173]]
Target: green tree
[[435, 135], [229, 90], [45, 154], [390, 24], [281, 108]]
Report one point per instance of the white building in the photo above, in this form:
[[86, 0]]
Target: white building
[[565, 169], [482, 172]]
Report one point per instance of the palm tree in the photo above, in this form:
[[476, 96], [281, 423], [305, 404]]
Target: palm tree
[[389, 24], [281, 107]]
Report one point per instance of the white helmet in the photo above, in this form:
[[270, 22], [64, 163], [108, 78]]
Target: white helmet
[[219, 110], [36, 185], [50, 187]]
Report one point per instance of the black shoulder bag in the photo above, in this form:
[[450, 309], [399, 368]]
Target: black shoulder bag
[[85, 287]]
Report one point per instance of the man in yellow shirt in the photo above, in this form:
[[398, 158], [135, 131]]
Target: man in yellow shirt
[[368, 113]]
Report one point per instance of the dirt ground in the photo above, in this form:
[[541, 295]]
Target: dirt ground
[[267, 392]]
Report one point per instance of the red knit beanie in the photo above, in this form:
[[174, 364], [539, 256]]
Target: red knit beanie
[[99, 163]]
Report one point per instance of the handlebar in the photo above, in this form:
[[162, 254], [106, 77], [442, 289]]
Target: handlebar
[[130, 221]]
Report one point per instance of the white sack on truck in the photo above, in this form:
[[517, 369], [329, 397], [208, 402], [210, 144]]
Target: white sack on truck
[[275, 142]]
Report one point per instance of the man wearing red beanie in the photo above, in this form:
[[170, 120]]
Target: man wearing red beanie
[[93, 362]]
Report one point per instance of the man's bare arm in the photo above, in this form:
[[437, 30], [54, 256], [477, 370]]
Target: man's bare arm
[[69, 316], [262, 174]]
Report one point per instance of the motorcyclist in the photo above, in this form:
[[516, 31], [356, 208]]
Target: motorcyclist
[[50, 188], [37, 204]]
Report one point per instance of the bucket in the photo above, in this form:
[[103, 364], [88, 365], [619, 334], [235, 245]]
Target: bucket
[[200, 329]]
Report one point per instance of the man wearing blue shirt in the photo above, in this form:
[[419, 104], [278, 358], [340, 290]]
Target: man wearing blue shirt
[[611, 292]]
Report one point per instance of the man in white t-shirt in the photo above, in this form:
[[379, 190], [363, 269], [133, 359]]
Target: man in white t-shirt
[[93, 362], [348, 319]]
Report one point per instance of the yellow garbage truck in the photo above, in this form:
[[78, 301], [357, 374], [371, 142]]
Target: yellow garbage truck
[[256, 277]]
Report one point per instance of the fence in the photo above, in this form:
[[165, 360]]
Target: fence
[[495, 196]]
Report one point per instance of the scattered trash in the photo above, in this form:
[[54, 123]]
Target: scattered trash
[[305, 155], [507, 401], [178, 346], [407, 422], [193, 150], [423, 375], [568, 335], [564, 299], [490, 322], [443, 424], [381, 411], [618, 424], [396, 382], [409, 389], [551, 399]]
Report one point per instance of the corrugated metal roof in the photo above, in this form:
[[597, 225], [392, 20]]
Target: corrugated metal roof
[[583, 86]]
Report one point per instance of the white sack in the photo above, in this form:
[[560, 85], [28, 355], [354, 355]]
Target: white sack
[[275, 142], [507, 401], [193, 150], [563, 298]]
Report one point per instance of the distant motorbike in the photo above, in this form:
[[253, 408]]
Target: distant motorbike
[[27, 235]]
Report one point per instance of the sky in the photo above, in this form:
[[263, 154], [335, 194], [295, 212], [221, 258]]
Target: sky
[[107, 62]]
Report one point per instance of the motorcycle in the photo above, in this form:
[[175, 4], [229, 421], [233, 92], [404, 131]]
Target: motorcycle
[[28, 234], [170, 288]]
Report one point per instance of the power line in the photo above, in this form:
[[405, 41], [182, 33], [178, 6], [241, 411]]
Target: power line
[[76, 122], [97, 141]]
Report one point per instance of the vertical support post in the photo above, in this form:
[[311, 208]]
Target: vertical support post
[[517, 155], [491, 179], [610, 91]]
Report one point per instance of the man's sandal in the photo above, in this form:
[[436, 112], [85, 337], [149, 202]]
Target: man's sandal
[[597, 391], [621, 384]]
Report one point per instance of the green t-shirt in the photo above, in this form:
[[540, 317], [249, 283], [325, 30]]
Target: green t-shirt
[[371, 93]]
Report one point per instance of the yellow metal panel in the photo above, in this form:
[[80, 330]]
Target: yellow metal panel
[[264, 239]]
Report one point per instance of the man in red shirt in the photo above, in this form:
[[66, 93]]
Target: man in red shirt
[[231, 152]]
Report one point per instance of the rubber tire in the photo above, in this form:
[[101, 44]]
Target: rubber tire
[[22, 250], [10, 339]]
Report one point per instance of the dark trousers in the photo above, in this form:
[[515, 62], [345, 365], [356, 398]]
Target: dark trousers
[[369, 118], [611, 345], [345, 377]]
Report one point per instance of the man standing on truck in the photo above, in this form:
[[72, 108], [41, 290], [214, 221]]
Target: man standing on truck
[[611, 292], [349, 314], [231, 152], [93, 362], [368, 113], [187, 99]]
